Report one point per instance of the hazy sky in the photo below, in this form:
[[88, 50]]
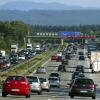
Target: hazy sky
[[90, 3]]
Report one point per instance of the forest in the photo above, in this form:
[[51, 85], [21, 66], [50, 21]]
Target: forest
[[16, 31]]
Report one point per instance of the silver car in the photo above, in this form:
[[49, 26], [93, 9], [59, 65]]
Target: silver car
[[45, 84], [54, 82], [35, 84]]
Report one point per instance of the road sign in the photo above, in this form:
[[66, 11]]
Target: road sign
[[68, 33]]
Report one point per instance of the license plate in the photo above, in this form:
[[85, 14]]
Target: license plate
[[83, 91], [14, 89]]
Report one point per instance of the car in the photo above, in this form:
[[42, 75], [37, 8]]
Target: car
[[21, 57], [35, 84], [54, 82], [62, 68], [83, 87], [56, 57], [75, 74], [80, 53], [68, 56], [41, 70], [4, 64], [45, 84], [54, 74], [13, 58], [80, 68], [64, 61], [81, 75], [81, 58], [16, 85]]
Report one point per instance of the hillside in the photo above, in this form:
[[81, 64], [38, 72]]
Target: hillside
[[69, 17]]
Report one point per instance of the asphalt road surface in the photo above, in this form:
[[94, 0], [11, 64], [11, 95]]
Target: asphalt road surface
[[62, 92]]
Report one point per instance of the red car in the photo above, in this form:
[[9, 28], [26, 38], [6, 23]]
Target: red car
[[4, 65], [56, 57], [16, 85]]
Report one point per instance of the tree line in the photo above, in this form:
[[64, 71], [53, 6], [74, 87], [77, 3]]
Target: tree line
[[16, 31]]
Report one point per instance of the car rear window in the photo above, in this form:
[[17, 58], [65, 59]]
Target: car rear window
[[32, 79], [54, 74], [15, 78], [84, 81], [42, 79]]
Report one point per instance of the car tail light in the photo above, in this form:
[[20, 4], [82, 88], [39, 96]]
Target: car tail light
[[92, 86]]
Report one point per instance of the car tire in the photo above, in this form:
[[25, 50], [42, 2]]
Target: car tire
[[93, 97], [39, 93], [71, 96], [58, 86], [48, 90], [28, 96], [4, 94]]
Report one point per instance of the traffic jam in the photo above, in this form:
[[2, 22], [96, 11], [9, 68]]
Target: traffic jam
[[65, 74]]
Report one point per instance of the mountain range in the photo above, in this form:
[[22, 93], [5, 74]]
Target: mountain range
[[43, 17], [49, 13], [28, 5]]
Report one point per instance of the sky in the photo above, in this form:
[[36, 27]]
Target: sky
[[84, 3]]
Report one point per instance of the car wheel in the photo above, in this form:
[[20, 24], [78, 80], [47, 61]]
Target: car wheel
[[4, 94], [48, 90], [93, 97], [28, 96], [71, 96], [39, 93], [58, 86]]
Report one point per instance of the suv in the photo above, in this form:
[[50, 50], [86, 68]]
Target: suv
[[16, 85], [83, 87], [35, 84]]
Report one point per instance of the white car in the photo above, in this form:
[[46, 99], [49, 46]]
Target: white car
[[21, 57], [45, 84], [35, 84]]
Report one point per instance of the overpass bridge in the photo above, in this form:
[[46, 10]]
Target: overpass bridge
[[59, 35]]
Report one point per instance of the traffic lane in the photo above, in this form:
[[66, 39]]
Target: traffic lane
[[33, 97], [54, 94]]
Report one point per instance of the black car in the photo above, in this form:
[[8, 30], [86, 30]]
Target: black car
[[83, 87], [68, 56], [80, 53], [80, 68], [62, 68], [54, 74], [75, 74], [81, 58], [64, 61]]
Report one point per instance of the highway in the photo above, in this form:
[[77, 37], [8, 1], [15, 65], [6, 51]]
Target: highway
[[62, 92]]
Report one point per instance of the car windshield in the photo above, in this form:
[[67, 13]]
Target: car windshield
[[83, 81]]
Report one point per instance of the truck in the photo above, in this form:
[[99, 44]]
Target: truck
[[38, 49], [3, 53], [95, 61], [29, 46], [14, 48]]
